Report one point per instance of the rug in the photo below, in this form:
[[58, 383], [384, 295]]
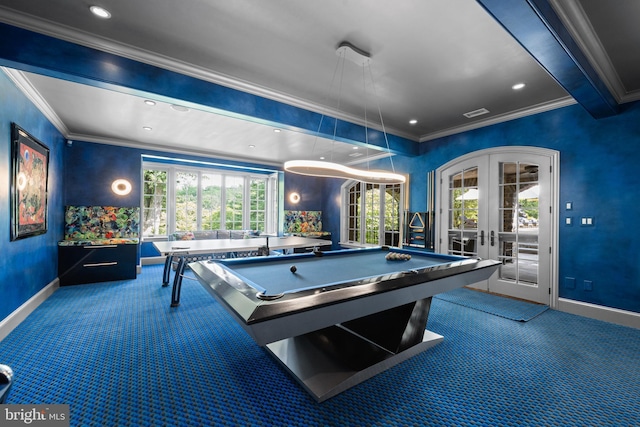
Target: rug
[[508, 308]]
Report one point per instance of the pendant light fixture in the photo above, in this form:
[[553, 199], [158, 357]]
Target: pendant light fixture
[[334, 170]]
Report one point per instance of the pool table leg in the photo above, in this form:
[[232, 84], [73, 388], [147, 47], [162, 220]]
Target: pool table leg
[[396, 329], [167, 270], [177, 283], [331, 360]]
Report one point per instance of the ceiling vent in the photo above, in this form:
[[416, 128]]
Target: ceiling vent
[[476, 113]]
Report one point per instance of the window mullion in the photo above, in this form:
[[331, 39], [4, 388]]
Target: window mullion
[[381, 222], [199, 201], [246, 203], [363, 213], [223, 202], [171, 201]]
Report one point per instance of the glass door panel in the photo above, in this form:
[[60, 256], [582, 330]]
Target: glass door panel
[[463, 212], [518, 224], [518, 231], [499, 206]]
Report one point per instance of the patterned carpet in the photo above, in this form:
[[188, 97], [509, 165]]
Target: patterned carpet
[[120, 356]]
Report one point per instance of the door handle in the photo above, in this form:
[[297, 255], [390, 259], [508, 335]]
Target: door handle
[[492, 239], [482, 238]]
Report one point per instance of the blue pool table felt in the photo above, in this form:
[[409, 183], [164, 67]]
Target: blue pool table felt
[[273, 275]]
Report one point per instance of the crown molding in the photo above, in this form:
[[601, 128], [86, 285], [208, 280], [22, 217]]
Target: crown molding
[[529, 111], [103, 44], [24, 85], [577, 23]]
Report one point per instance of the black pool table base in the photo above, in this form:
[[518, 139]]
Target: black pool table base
[[324, 375]]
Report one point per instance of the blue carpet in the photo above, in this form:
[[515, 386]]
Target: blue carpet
[[493, 304], [120, 356]]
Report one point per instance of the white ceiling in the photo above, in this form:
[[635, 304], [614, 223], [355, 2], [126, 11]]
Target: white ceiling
[[432, 61]]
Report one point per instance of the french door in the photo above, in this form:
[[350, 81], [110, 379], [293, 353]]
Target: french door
[[498, 204]]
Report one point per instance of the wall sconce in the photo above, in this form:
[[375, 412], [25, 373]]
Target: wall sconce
[[121, 187], [294, 197]]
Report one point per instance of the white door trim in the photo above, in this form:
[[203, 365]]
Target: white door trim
[[554, 156]]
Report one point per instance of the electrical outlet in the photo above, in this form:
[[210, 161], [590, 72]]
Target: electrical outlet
[[586, 221], [587, 285]]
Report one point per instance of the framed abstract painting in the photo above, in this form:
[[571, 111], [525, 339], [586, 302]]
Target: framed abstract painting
[[30, 175]]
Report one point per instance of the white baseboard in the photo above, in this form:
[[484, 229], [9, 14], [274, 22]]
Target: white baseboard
[[151, 260], [599, 312], [10, 322]]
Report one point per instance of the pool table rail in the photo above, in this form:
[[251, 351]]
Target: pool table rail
[[306, 310]]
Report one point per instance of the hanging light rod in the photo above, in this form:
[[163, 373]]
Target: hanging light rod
[[335, 170]]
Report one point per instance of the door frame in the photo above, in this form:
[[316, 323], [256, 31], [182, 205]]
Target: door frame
[[554, 156]]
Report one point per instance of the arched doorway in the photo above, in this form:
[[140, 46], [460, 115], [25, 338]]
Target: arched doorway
[[500, 204]]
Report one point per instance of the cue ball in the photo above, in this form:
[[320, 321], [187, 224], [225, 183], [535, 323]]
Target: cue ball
[[293, 269]]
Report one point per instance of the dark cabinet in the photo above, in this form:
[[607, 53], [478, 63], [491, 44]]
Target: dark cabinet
[[96, 263], [323, 245]]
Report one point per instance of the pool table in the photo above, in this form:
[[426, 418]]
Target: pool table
[[335, 319]]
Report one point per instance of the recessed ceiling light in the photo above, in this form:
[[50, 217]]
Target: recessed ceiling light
[[252, 146], [354, 148], [413, 121], [322, 158], [147, 128], [100, 12], [518, 86], [179, 108], [149, 102], [277, 130]]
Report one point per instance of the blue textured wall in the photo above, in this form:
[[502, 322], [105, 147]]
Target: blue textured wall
[[91, 168], [598, 158], [331, 202], [310, 189], [27, 265], [598, 173], [317, 194]]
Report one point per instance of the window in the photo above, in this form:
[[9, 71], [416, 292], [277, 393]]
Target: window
[[211, 191], [257, 203], [234, 192], [185, 198], [186, 201], [154, 206], [371, 213]]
